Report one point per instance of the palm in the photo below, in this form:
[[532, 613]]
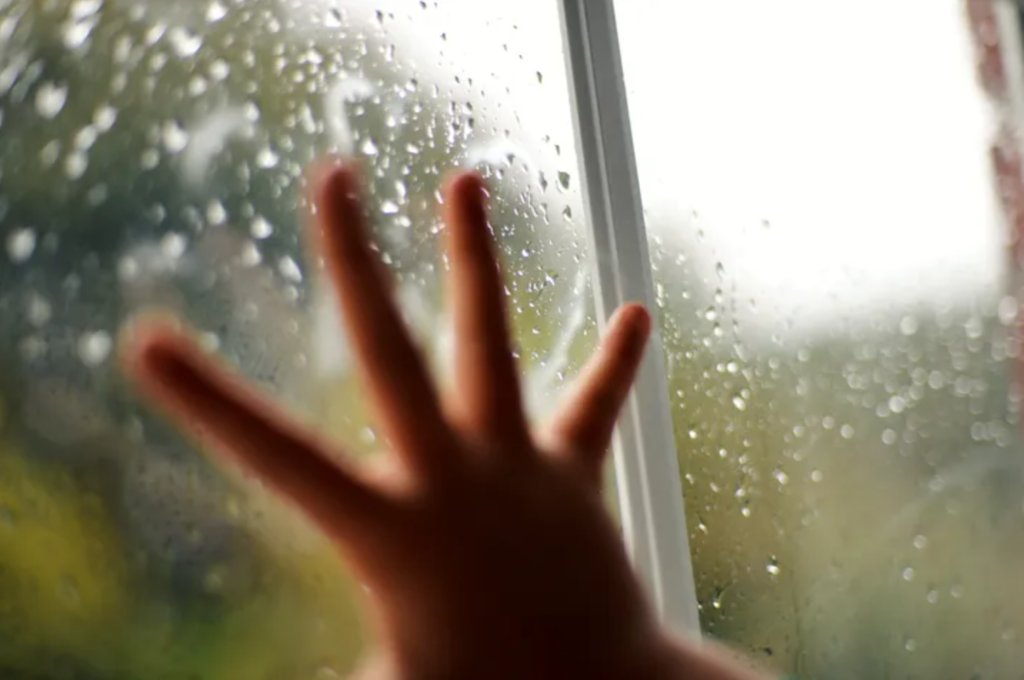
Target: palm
[[487, 544]]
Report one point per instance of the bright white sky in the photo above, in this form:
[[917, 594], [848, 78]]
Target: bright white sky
[[855, 129]]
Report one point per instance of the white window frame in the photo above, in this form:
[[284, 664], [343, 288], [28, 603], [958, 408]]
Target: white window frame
[[646, 465]]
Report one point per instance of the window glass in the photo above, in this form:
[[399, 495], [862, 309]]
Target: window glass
[[151, 155], [832, 276]]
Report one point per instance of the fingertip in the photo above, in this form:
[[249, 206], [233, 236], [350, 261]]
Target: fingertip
[[337, 183], [159, 356], [333, 186], [468, 184], [163, 356], [140, 334], [321, 168], [636, 320]]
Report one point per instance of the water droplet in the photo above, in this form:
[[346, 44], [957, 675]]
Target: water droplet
[[184, 42], [174, 137], [717, 597], [389, 207], [94, 347], [50, 99], [220, 69], [216, 214], [77, 32], [974, 327], [909, 325], [82, 9], [86, 137], [910, 645], [215, 12], [369, 147], [781, 477], [266, 158], [1008, 310], [847, 431], [104, 118], [909, 574], [289, 269], [920, 542], [251, 255], [38, 310], [261, 228], [173, 245], [21, 243], [772, 567], [564, 180], [739, 403], [150, 159], [75, 165], [210, 342], [48, 154], [817, 476]]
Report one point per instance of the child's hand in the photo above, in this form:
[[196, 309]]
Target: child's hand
[[487, 550]]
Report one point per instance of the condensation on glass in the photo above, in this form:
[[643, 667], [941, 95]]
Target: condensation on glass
[[835, 296], [151, 156]]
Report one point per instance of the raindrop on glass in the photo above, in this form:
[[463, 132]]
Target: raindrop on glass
[[21, 243], [94, 347], [289, 269], [215, 12], [50, 99], [261, 228]]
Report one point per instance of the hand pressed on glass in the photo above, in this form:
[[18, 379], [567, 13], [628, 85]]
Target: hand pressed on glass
[[488, 554]]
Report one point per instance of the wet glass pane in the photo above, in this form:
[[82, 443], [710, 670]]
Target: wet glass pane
[[833, 276], [150, 156]]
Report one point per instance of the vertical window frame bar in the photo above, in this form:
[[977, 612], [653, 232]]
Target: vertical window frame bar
[[646, 464]]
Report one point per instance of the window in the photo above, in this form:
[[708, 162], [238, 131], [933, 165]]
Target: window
[[831, 270], [820, 234], [150, 155]]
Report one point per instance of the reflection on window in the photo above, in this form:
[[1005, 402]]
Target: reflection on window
[[151, 155], [830, 264]]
